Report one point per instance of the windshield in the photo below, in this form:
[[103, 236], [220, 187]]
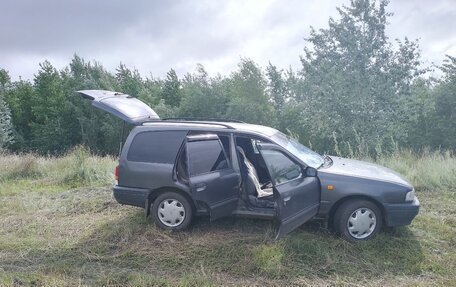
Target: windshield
[[305, 154]]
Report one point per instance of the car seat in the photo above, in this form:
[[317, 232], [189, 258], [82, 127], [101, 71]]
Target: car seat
[[256, 195]]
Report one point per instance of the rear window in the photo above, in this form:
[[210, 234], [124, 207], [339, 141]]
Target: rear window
[[156, 147], [205, 156]]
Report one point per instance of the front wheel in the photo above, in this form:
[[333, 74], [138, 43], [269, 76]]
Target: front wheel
[[172, 211], [358, 220]]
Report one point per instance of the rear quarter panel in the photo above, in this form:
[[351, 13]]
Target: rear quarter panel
[[150, 175]]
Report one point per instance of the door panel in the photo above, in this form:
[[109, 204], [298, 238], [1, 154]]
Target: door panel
[[212, 179], [219, 190], [297, 196], [297, 201]]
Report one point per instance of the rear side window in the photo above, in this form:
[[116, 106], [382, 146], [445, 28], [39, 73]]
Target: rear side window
[[205, 156], [156, 147]]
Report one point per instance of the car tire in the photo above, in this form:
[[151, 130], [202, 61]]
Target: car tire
[[172, 211], [358, 220]]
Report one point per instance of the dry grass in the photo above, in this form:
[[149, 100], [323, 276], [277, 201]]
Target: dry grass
[[77, 168], [428, 171], [61, 226]]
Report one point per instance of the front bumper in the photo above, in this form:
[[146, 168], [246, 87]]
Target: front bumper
[[399, 214]]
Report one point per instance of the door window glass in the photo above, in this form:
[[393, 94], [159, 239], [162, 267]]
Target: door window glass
[[205, 156], [281, 167]]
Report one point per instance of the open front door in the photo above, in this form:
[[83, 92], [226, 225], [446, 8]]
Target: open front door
[[297, 195], [123, 106]]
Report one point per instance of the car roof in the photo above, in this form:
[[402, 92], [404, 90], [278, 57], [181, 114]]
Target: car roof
[[244, 127], [213, 126]]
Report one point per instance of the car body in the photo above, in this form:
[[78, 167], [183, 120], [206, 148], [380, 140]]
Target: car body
[[176, 169]]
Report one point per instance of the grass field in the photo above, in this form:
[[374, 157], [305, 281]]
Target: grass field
[[61, 226]]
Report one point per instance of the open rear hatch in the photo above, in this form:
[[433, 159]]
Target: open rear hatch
[[123, 106]]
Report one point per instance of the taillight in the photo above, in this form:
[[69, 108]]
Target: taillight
[[116, 175]]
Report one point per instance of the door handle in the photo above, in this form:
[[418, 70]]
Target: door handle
[[200, 187], [286, 199]]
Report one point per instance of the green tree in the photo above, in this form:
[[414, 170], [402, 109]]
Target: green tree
[[445, 106], [6, 127], [5, 80], [277, 87], [129, 82], [50, 131], [354, 81], [203, 96], [19, 98], [171, 93], [248, 99], [94, 128]]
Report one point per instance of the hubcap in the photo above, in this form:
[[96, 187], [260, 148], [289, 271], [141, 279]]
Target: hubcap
[[361, 223], [171, 212]]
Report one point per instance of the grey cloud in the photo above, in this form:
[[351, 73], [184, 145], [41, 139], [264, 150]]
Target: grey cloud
[[56, 25], [432, 22], [154, 36]]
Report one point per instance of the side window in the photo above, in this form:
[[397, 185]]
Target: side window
[[281, 167], [156, 146], [205, 156]]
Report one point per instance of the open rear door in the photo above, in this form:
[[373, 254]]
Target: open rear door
[[123, 106], [297, 195], [213, 180]]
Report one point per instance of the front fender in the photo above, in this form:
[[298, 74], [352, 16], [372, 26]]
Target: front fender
[[348, 186]]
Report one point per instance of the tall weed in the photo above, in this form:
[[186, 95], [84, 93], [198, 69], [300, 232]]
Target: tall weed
[[427, 171], [76, 168], [82, 168], [14, 167]]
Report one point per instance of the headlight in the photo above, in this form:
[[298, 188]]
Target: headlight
[[410, 196]]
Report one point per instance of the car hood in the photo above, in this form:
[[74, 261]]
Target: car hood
[[362, 169]]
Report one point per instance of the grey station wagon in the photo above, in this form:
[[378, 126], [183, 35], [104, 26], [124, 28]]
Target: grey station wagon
[[177, 169]]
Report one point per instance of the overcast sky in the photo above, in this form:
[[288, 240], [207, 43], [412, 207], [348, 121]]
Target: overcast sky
[[154, 36]]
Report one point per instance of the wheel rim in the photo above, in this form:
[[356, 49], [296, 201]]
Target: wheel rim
[[171, 212], [361, 223]]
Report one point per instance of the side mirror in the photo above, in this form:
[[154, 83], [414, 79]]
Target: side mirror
[[311, 172]]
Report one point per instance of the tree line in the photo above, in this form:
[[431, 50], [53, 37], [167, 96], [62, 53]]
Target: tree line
[[357, 93]]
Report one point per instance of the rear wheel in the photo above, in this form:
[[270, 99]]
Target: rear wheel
[[358, 220], [172, 211]]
